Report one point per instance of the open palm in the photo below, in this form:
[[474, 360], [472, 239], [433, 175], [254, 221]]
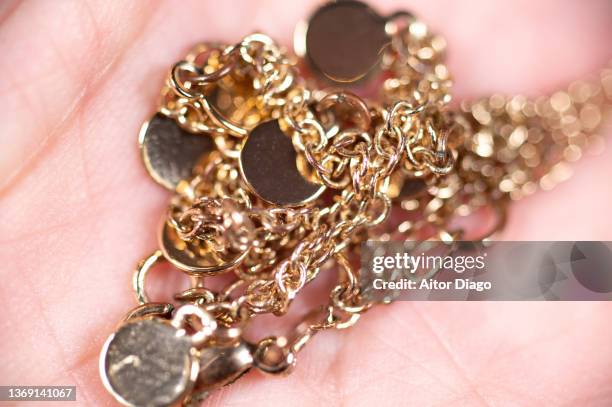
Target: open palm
[[77, 210]]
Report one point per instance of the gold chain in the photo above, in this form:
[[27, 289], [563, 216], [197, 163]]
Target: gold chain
[[406, 150], [489, 151]]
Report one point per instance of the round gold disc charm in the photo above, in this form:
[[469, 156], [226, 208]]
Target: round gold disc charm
[[268, 165], [413, 187], [197, 257], [343, 41], [169, 152], [146, 363]]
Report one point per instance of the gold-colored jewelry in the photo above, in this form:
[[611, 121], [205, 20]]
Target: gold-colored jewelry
[[276, 180]]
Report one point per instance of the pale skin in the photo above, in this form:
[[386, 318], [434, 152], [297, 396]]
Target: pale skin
[[78, 78]]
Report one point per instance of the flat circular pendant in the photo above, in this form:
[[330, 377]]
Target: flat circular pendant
[[196, 258], [343, 40], [413, 187], [145, 363], [169, 152], [268, 166]]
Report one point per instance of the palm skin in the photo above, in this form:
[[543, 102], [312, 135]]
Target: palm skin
[[78, 210]]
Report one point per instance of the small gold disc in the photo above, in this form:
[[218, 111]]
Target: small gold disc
[[268, 166], [344, 40], [169, 152], [196, 258], [146, 363], [413, 187]]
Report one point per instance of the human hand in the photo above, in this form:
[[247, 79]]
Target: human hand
[[78, 210]]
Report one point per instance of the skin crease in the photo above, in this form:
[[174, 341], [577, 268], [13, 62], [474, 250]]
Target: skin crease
[[78, 209]]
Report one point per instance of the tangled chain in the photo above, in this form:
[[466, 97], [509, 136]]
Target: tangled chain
[[411, 153]]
